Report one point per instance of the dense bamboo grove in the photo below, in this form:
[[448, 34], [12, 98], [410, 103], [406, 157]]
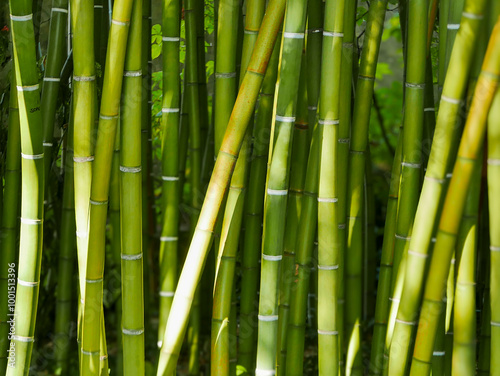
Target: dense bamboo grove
[[281, 187]]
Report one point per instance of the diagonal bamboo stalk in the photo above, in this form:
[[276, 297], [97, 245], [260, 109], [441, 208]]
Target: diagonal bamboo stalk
[[32, 184], [433, 187], [470, 146], [235, 133]]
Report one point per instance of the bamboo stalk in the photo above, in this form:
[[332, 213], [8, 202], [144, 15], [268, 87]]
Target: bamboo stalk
[[65, 287], [303, 259], [359, 140], [494, 203], [432, 190], [132, 327], [108, 118], [328, 234], [298, 164], [453, 207], [224, 165], [56, 54], [10, 214], [170, 160], [32, 192], [254, 214], [277, 184]]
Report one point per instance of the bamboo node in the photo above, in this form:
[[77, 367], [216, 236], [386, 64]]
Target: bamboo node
[[99, 280], [437, 180], [411, 165], [103, 357], [411, 85], [450, 100], [410, 323], [253, 32], [98, 6], [83, 78], [494, 248], [94, 202], [170, 178], [23, 339], [272, 257], [312, 108], [51, 79], [328, 267], [168, 238], [48, 144], [328, 332], [27, 283], [137, 73], [344, 140], [439, 353], [267, 318], [341, 226], [328, 121], [493, 162], [429, 109], [171, 39], [495, 323], [290, 35], [108, 117], [473, 16], [367, 78], [31, 156], [225, 75], [285, 119], [264, 372], [137, 256], [83, 159], [402, 237], [132, 332], [29, 221], [90, 353], [130, 169], [62, 10], [28, 87], [328, 199], [120, 23], [317, 30], [418, 254], [166, 294], [453, 26], [27, 17], [277, 192], [333, 34]]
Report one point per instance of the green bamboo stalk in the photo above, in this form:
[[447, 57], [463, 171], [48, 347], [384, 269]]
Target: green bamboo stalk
[[170, 160], [202, 73], [148, 198], [370, 255], [131, 202], [439, 161], [243, 109], [493, 203], [254, 214], [116, 250], [225, 68], [10, 214], [108, 118], [464, 322], [306, 233], [83, 116], [31, 236], [298, 164], [359, 140], [65, 287], [453, 207], [328, 234], [277, 184], [444, 11], [345, 116], [224, 355], [484, 348], [56, 54], [192, 95]]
